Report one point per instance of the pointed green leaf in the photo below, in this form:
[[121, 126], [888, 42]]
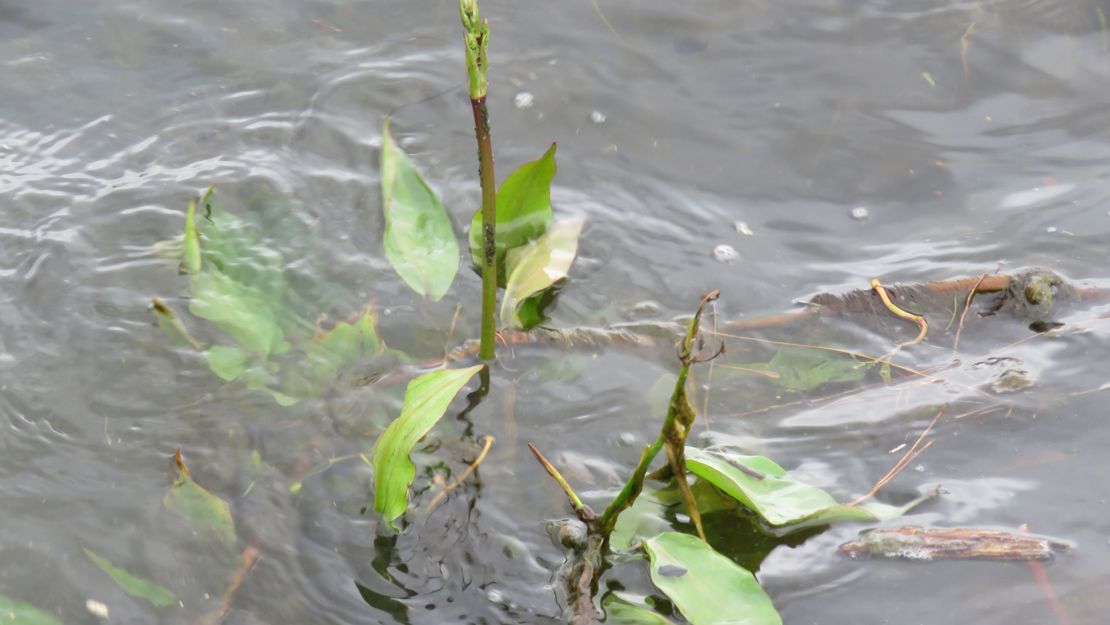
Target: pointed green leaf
[[134, 586], [426, 399], [539, 265], [708, 588], [523, 208], [780, 500], [228, 363], [20, 613], [207, 513], [419, 241], [190, 258]]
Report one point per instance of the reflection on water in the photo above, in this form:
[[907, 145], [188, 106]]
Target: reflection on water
[[974, 135]]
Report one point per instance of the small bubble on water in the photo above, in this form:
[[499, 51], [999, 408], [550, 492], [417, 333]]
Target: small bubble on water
[[524, 100], [742, 228], [628, 438], [1050, 229], [860, 213], [495, 596], [919, 468], [597, 117], [726, 253]]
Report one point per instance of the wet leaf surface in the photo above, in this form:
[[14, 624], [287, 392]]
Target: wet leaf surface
[[18, 612], [426, 400], [713, 589], [208, 515], [419, 240]]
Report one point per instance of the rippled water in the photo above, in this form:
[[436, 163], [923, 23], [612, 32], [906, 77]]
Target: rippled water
[[975, 134]]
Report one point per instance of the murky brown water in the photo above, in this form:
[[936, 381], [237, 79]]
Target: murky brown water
[[976, 135]]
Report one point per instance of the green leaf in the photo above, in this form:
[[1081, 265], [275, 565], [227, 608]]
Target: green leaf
[[20, 613], [523, 209], [190, 258], [426, 399], [332, 354], [228, 363], [134, 586], [800, 369], [777, 498], [708, 588], [207, 513], [621, 611], [646, 517], [419, 241], [539, 265], [238, 310]]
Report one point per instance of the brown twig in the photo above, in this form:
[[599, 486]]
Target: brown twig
[[963, 315], [246, 563], [486, 444], [908, 457]]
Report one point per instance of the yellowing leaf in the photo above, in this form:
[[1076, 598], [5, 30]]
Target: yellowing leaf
[[207, 513], [426, 399], [539, 265], [419, 240], [134, 586]]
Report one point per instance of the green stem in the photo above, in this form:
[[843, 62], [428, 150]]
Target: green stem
[[631, 489], [476, 40]]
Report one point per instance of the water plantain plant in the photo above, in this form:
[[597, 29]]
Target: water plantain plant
[[264, 310]]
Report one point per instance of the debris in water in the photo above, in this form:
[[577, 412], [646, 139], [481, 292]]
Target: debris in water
[[860, 213], [524, 100], [726, 253], [916, 543], [96, 608], [597, 117], [742, 228]]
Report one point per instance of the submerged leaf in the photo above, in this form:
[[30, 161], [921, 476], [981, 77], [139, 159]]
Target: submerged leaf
[[539, 265], [707, 587], [20, 613], [523, 209], [190, 257], [419, 241], [807, 369], [344, 345], [426, 399], [207, 513], [228, 363], [238, 310], [780, 500], [134, 586]]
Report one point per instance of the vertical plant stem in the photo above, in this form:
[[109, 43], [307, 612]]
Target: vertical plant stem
[[477, 44], [489, 228]]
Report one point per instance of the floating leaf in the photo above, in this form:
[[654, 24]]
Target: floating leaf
[[523, 209], [646, 517], [207, 513], [20, 613], [806, 369], [228, 363], [239, 311], [539, 265], [704, 585], [766, 489], [190, 257], [419, 241], [134, 586], [426, 399]]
